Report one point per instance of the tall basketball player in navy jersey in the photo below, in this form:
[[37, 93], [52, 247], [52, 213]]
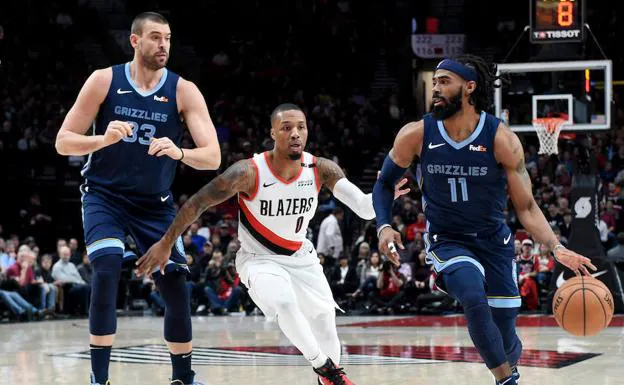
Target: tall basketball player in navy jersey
[[467, 158], [137, 112]]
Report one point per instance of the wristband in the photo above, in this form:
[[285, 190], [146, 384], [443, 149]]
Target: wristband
[[182, 151], [554, 249]]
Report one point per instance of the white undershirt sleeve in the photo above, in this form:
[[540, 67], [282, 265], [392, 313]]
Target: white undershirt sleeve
[[355, 199]]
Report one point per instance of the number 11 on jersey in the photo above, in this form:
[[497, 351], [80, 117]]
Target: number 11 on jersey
[[464, 188]]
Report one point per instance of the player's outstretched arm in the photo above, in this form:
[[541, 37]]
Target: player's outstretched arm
[[509, 152], [240, 177], [407, 144], [207, 155], [71, 138], [331, 175]]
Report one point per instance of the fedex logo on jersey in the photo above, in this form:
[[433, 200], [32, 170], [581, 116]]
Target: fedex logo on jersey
[[455, 170], [478, 148], [163, 99]]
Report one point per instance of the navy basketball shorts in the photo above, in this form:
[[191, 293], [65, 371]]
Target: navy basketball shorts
[[492, 254], [109, 217]]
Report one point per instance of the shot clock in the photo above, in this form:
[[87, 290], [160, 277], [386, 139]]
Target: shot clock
[[557, 21]]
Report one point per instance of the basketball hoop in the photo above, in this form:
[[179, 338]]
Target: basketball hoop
[[548, 130]]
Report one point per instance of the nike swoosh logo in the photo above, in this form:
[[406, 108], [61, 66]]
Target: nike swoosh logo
[[187, 355], [162, 199], [120, 92], [268, 185], [506, 240], [561, 280], [432, 146]]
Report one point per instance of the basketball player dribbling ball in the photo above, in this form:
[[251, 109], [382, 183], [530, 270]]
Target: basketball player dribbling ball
[[278, 195], [137, 110], [467, 159]]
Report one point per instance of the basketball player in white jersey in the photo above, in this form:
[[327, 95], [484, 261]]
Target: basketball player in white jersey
[[278, 195]]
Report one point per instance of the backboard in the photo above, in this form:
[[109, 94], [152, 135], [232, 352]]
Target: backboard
[[580, 91]]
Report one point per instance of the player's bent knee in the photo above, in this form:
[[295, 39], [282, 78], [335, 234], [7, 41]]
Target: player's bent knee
[[104, 284], [324, 325]]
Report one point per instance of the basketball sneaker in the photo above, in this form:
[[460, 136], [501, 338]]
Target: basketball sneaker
[[514, 374], [511, 380], [330, 374], [92, 382]]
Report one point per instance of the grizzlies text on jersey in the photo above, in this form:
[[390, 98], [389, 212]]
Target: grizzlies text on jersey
[[126, 166], [462, 183]]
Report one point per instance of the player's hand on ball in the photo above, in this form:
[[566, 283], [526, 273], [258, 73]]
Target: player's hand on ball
[[164, 146], [388, 239], [156, 256], [573, 261], [116, 131]]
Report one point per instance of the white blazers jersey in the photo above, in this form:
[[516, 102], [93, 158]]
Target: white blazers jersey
[[274, 219]]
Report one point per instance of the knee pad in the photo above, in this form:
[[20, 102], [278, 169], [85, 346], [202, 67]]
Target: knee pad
[[175, 294], [104, 284]]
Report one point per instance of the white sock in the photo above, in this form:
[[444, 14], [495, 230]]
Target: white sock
[[319, 361]]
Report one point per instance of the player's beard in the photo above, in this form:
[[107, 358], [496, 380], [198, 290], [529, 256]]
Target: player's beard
[[153, 62], [449, 108], [294, 156]]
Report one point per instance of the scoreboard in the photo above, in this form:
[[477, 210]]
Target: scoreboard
[[557, 21]]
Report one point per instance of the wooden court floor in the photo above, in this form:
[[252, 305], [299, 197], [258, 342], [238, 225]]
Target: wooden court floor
[[251, 351]]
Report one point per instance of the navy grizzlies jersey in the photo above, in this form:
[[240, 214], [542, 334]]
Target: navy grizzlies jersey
[[126, 166], [462, 183]]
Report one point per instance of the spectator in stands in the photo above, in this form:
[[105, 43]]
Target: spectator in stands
[[616, 254], [363, 255], [327, 270], [7, 255], [528, 269], [76, 256], [189, 246], [232, 249], [566, 226], [85, 269], [546, 267], [23, 273], [420, 226], [330, 241], [21, 309], [222, 286], [74, 287], [198, 240], [344, 279], [193, 282], [59, 243], [368, 273], [390, 288]]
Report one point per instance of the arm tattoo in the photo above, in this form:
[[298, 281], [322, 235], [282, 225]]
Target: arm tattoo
[[240, 177], [329, 172]]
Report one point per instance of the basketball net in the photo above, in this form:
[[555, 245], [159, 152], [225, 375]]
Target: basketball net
[[548, 130]]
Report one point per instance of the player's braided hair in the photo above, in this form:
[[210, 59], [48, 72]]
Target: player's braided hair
[[487, 80]]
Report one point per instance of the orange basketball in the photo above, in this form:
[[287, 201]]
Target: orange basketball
[[583, 306]]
